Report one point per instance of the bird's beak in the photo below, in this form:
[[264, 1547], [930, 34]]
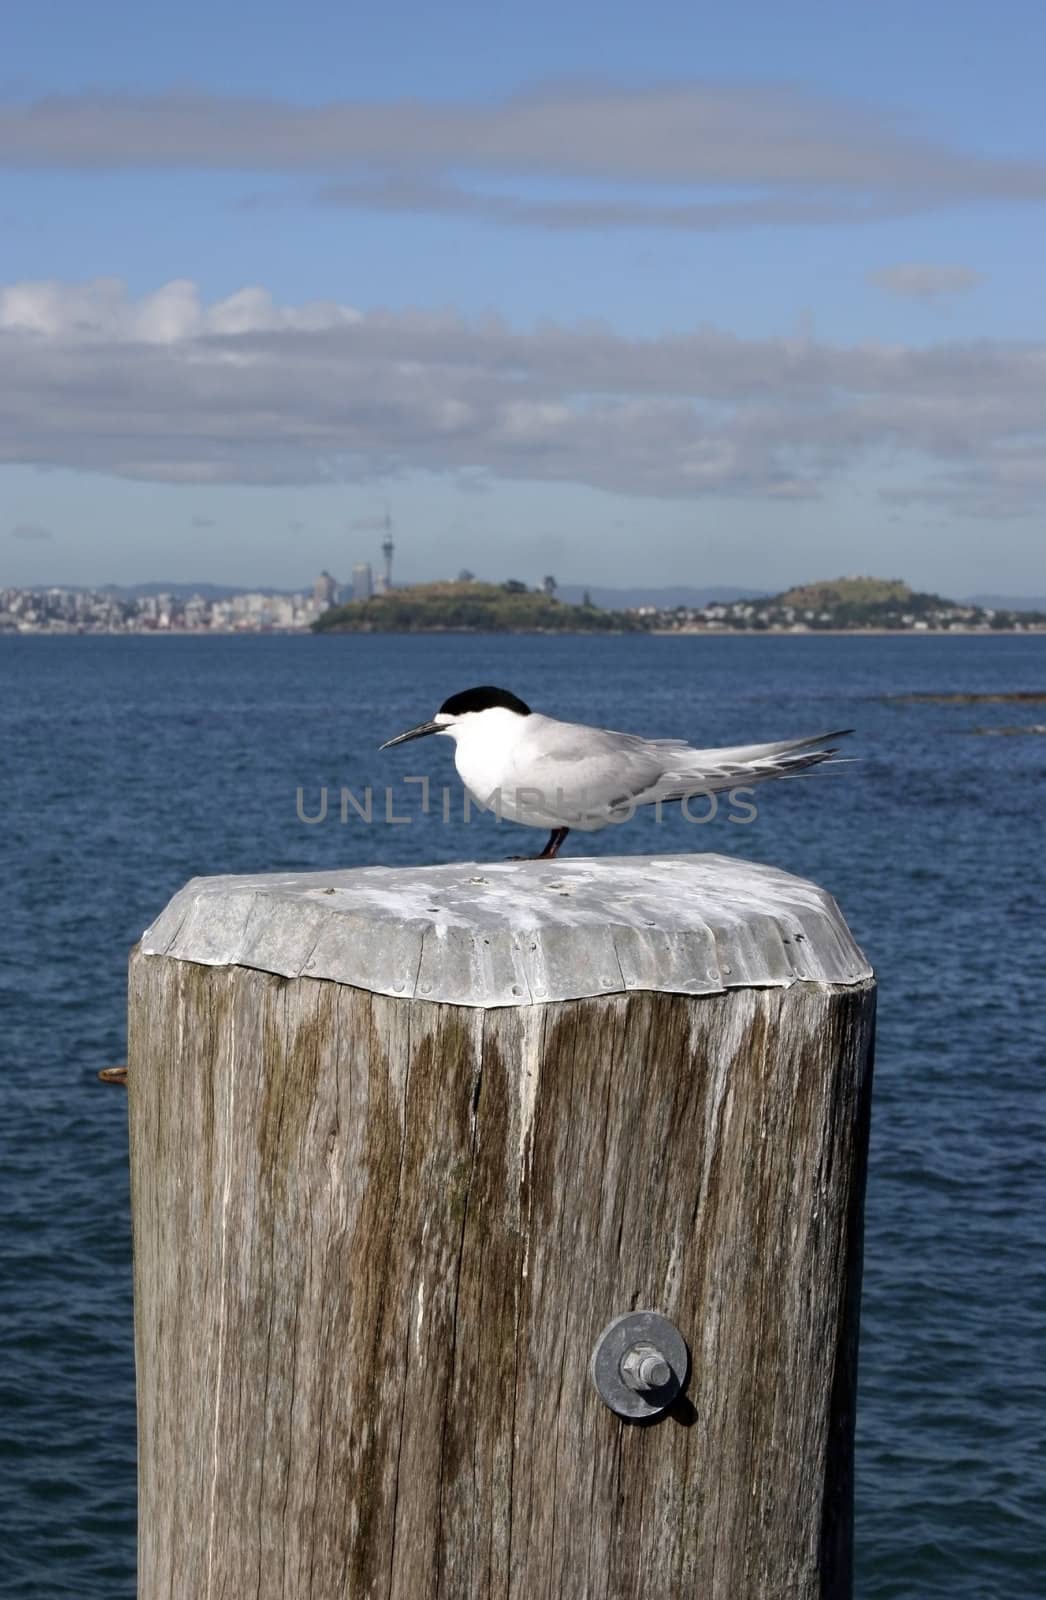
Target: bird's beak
[[413, 733]]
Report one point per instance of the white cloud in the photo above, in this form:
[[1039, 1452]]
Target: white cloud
[[102, 311], [916, 280], [783, 154], [167, 388], [31, 532]]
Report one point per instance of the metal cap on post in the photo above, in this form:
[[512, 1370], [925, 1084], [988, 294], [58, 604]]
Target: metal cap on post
[[412, 1148], [508, 933]]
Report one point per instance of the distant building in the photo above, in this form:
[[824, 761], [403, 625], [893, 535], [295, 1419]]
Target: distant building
[[325, 590], [362, 581], [387, 547]]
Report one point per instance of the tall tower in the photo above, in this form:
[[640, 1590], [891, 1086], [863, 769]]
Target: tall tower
[[387, 548]]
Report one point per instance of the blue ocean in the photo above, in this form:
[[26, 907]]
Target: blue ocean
[[132, 764]]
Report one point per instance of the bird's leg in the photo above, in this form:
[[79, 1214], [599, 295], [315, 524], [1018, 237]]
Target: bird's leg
[[555, 839]]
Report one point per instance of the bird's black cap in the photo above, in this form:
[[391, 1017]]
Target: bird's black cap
[[484, 698]]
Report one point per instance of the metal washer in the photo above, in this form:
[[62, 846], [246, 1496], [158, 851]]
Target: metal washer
[[614, 1343]]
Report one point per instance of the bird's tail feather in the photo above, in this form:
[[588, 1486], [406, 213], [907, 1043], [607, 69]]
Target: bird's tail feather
[[736, 766]]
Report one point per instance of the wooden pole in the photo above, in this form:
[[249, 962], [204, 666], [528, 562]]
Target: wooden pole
[[404, 1142]]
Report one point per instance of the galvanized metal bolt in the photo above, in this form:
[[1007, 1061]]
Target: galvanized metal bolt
[[639, 1365], [644, 1367]]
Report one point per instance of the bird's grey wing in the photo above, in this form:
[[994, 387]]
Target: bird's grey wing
[[610, 770], [614, 772]]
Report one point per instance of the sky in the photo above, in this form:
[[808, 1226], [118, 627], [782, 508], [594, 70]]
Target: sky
[[672, 294]]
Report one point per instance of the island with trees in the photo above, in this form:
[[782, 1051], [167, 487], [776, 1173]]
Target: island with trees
[[847, 605], [469, 606]]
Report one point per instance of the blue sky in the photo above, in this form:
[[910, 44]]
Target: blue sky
[[685, 294]]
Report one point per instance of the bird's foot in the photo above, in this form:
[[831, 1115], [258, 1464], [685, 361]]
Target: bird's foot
[[550, 851]]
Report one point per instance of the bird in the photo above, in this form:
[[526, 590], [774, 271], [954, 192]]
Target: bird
[[563, 776]]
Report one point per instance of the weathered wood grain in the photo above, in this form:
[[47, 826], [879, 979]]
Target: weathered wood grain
[[376, 1239]]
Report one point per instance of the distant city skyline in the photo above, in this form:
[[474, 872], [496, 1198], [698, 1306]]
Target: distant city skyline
[[847, 605], [327, 590], [756, 299]]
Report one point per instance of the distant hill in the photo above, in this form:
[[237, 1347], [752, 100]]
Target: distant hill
[[877, 604], [860, 602], [835, 594], [471, 608], [889, 593]]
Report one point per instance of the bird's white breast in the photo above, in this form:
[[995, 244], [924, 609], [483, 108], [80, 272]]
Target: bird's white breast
[[484, 745], [504, 762]]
